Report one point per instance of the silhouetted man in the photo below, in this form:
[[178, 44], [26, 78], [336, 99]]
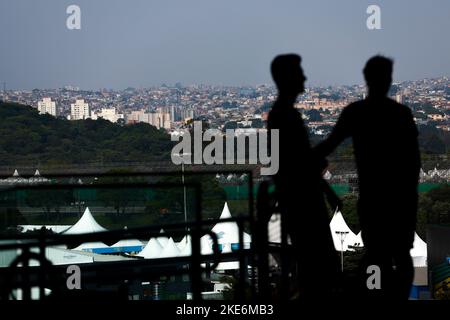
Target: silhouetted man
[[299, 184], [388, 162]]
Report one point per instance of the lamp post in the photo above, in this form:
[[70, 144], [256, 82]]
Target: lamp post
[[184, 191], [342, 235]]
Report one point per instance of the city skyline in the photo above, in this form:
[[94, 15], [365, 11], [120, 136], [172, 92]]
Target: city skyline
[[226, 44], [74, 87]]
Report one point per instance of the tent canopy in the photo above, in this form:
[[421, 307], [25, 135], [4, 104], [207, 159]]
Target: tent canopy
[[228, 232], [151, 250], [419, 247], [86, 224], [343, 236]]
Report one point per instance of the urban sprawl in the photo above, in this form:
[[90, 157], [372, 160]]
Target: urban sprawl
[[171, 107]]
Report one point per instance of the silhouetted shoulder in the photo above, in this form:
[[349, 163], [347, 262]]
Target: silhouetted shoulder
[[352, 109], [288, 118], [404, 117]]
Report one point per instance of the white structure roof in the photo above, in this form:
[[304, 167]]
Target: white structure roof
[[358, 240], [151, 250], [162, 240], [419, 247], [127, 243], [228, 232], [89, 246], [185, 247], [337, 225], [86, 224], [419, 261], [206, 245], [182, 244], [422, 173], [59, 256], [170, 250]]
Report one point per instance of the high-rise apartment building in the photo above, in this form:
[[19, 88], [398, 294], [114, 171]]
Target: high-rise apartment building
[[79, 110], [47, 106], [159, 119]]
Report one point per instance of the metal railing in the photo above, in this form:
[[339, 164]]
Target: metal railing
[[21, 276]]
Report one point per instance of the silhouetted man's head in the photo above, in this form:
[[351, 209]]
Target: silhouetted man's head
[[378, 75], [288, 75]]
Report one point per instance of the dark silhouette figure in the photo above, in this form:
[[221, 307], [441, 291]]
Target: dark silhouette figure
[[388, 162], [299, 185]]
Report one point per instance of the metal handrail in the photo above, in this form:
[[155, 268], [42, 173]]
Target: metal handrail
[[25, 242]]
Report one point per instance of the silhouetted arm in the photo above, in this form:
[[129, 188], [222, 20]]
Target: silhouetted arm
[[340, 132]]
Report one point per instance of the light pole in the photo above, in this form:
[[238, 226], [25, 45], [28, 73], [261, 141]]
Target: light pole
[[184, 192], [342, 235]]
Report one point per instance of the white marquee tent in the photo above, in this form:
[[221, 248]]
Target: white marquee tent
[[86, 224], [128, 243], [163, 240], [228, 232], [419, 252], [170, 250], [343, 236], [152, 250]]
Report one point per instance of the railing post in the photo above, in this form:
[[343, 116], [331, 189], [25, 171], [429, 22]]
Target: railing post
[[196, 271]]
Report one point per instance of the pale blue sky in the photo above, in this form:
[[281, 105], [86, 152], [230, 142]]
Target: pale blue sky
[[148, 42]]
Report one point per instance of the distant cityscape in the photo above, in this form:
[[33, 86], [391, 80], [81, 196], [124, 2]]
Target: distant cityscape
[[171, 107]]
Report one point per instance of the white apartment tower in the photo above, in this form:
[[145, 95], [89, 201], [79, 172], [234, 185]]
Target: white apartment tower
[[47, 106], [79, 110]]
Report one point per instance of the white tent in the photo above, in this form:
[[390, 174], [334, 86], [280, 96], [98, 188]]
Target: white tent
[[86, 224], [422, 173], [419, 247], [16, 178], [182, 244], [359, 241], [419, 261], [128, 243], [37, 178], [343, 236], [152, 250], [206, 245], [91, 246], [185, 246], [170, 250], [162, 240], [228, 232], [327, 175]]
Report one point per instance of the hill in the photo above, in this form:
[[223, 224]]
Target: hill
[[28, 138]]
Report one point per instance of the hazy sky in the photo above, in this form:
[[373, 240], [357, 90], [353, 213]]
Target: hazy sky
[[138, 43]]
